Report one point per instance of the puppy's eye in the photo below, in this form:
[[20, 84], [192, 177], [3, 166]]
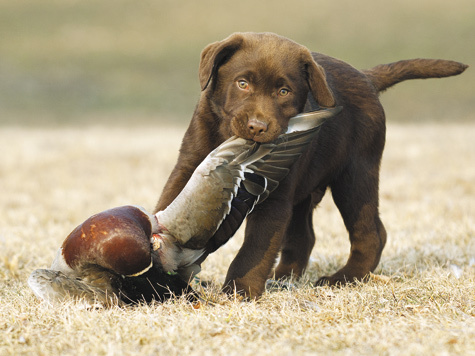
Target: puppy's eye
[[242, 84], [284, 92]]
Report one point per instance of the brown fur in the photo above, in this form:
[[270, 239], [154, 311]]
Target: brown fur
[[251, 85]]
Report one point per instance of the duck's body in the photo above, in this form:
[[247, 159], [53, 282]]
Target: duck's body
[[129, 255]]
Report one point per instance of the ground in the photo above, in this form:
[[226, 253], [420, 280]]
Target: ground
[[420, 301]]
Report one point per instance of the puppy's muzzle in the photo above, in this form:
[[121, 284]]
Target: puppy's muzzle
[[256, 127]]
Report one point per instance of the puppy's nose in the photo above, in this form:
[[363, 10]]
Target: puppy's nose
[[256, 127]]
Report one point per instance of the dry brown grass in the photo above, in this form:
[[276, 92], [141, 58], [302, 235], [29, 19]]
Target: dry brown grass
[[421, 301]]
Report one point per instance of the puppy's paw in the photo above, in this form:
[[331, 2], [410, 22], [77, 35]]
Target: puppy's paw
[[246, 291], [339, 280], [332, 281], [273, 285]]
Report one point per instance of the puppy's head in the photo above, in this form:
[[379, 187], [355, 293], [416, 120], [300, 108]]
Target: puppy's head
[[255, 82]]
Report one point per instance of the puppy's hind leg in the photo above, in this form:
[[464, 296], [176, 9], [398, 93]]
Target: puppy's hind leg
[[355, 193]]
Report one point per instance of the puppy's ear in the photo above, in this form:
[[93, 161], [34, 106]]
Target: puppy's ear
[[216, 54], [317, 81]]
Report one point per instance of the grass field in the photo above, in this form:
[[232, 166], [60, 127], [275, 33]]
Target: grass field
[[421, 300], [94, 101]]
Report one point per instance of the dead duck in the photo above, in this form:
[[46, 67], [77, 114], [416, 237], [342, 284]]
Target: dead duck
[[126, 255]]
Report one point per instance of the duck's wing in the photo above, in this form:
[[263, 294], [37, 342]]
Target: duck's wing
[[267, 173], [209, 197], [241, 205]]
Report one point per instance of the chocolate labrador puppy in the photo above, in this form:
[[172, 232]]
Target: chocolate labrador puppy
[[252, 83]]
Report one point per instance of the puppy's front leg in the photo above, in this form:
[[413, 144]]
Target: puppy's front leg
[[252, 265]]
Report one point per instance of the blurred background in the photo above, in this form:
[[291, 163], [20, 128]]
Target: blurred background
[[67, 62]]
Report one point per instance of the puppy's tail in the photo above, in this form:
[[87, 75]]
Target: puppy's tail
[[384, 76]]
